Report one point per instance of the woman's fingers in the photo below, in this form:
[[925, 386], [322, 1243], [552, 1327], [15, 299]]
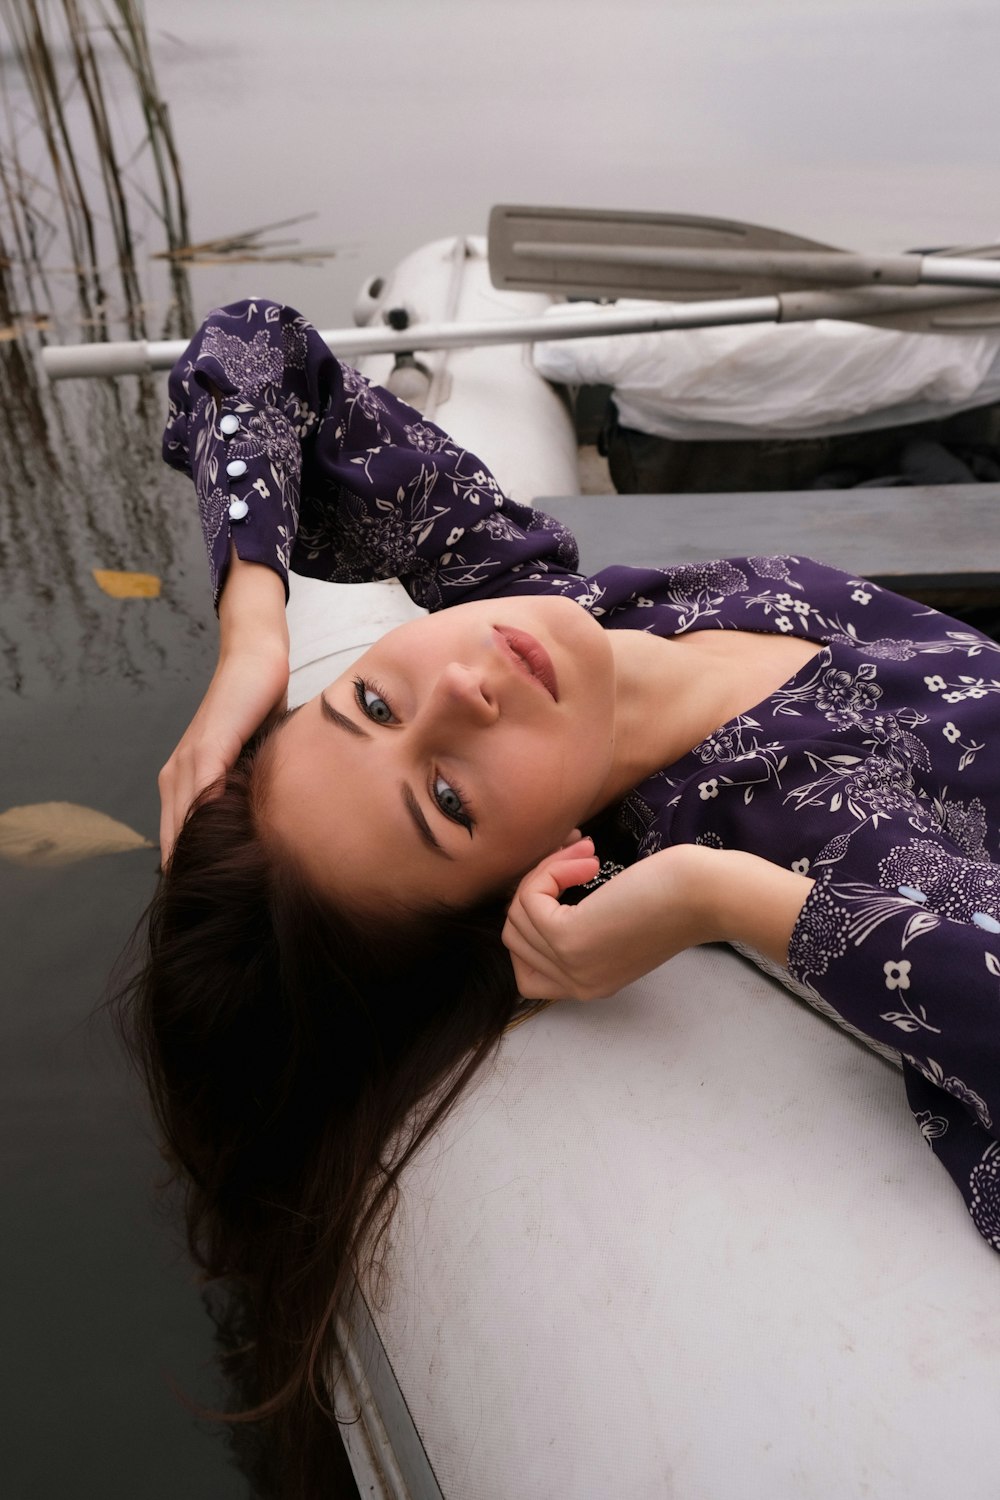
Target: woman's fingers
[[169, 797], [535, 921], [537, 896], [166, 832], [562, 874], [181, 782], [555, 873], [541, 888], [250, 681], [537, 980], [538, 976]]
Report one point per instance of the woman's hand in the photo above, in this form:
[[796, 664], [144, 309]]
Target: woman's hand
[[247, 687], [249, 684], [675, 899], [624, 929]]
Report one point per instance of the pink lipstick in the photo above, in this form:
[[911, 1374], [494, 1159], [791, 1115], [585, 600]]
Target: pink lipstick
[[531, 656]]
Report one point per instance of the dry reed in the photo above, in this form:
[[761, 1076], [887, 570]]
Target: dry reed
[[78, 124]]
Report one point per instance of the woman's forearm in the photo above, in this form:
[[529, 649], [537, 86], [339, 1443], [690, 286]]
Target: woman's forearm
[[746, 899], [252, 608], [249, 683]]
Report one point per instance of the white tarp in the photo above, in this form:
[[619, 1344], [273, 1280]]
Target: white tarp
[[779, 380]]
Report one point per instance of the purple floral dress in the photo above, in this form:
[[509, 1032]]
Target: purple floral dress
[[875, 769]]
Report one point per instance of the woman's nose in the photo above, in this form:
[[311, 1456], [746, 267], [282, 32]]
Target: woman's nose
[[461, 695]]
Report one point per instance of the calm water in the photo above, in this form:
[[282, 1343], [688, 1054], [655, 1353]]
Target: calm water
[[864, 123]]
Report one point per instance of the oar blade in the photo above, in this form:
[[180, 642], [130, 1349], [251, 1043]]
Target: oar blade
[[570, 252]]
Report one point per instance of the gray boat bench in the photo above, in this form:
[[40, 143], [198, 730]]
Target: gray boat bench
[[937, 543]]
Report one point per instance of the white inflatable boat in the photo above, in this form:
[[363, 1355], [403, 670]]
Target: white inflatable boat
[[683, 1243]]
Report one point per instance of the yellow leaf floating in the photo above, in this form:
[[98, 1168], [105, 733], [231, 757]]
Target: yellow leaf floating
[[127, 585], [60, 833]]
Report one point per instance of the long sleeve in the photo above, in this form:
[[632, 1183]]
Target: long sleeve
[[303, 464], [926, 983], [873, 771]]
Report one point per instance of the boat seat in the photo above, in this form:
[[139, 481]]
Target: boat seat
[[937, 543]]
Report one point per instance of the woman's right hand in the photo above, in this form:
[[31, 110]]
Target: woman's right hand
[[249, 684]]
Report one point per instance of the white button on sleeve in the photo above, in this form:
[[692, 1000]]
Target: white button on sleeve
[[229, 424], [238, 509], [236, 469]]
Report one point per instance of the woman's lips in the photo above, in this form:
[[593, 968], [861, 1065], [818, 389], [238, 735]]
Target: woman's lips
[[531, 656]]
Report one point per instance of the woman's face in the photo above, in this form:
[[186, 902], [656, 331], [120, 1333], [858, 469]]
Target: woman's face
[[458, 751]]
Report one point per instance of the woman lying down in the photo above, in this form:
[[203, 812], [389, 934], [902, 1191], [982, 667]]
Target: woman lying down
[[358, 895]]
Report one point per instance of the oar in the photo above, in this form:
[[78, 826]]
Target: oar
[[832, 268], [598, 253], [918, 310]]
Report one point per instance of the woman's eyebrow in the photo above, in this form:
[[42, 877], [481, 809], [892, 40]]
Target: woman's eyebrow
[[409, 800], [341, 720], [422, 826]]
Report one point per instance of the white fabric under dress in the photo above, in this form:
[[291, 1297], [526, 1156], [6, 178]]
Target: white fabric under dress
[[788, 380]]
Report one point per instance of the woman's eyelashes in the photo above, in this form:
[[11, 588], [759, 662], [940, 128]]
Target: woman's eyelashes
[[373, 702], [453, 803], [449, 799]]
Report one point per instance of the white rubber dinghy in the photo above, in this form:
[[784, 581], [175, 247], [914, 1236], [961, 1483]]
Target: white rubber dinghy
[[681, 1243], [684, 1242]]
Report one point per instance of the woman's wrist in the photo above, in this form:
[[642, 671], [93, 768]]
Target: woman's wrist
[[252, 609], [742, 898]]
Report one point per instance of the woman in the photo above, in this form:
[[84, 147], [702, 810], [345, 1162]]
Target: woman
[[768, 751]]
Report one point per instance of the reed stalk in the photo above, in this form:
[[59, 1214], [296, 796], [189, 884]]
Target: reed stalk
[[90, 170], [132, 41], [89, 76]]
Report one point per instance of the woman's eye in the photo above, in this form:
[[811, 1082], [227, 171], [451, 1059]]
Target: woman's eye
[[451, 804], [373, 703], [447, 798]]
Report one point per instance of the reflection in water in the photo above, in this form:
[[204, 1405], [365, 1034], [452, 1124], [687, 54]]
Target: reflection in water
[[78, 199], [81, 97], [84, 491], [94, 239], [105, 640], [93, 689]]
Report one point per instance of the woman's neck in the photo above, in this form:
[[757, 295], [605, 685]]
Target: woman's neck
[[672, 691]]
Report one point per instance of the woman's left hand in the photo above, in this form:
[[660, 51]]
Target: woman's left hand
[[677, 898], [622, 930]]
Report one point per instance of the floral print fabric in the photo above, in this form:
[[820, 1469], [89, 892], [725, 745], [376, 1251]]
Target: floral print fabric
[[342, 481], [875, 769]]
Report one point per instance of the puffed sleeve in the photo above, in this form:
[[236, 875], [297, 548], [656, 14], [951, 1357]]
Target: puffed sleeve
[[927, 984], [303, 464]]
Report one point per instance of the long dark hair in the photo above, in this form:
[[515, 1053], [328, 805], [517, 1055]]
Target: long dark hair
[[296, 1059]]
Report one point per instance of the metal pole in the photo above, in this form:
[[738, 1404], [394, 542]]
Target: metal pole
[[62, 362], [862, 305]]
